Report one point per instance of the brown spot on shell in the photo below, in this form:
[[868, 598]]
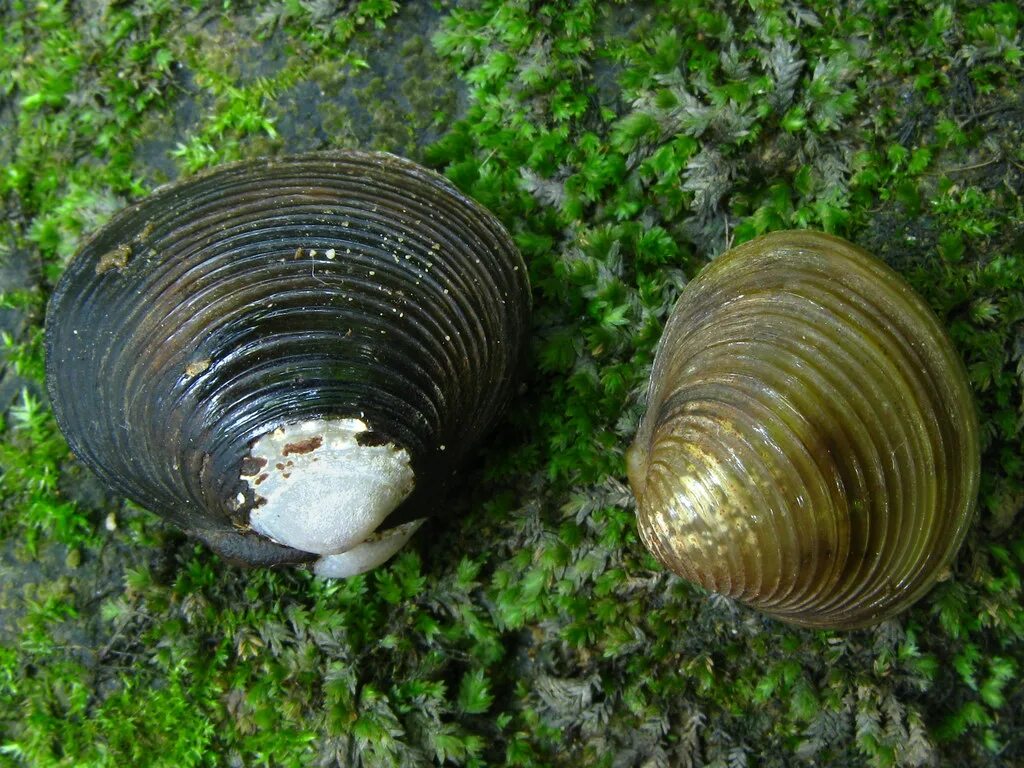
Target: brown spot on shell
[[251, 466], [115, 259], [303, 446], [371, 439], [262, 477], [196, 367]]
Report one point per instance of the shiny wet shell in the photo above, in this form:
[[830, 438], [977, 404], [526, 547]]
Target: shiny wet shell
[[811, 445], [342, 285]]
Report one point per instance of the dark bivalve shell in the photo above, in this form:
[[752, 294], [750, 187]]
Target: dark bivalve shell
[[289, 358], [810, 446]]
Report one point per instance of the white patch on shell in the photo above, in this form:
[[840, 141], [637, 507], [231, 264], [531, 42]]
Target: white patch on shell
[[321, 490], [366, 556]]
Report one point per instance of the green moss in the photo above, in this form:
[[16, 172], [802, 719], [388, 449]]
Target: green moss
[[623, 145]]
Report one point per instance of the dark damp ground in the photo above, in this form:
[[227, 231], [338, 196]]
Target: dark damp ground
[[396, 96], [623, 145]]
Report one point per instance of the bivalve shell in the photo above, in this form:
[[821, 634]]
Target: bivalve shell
[[289, 358], [810, 446]]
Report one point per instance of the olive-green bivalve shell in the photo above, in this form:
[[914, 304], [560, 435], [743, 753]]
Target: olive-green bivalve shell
[[810, 446], [277, 354]]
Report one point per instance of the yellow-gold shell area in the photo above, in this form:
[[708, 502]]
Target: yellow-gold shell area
[[810, 446]]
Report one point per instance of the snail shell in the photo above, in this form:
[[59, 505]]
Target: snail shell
[[278, 356], [810, 446]]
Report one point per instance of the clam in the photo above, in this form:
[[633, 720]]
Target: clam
[[810, 446], [289, 359]]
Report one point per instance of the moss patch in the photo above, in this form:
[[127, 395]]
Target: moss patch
[[624, 145]]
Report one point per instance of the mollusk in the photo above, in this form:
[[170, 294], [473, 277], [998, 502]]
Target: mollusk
[[289, 358], [810, 446]]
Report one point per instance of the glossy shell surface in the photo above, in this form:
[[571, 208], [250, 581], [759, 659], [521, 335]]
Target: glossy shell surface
[[238, 327], [810, 446]]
